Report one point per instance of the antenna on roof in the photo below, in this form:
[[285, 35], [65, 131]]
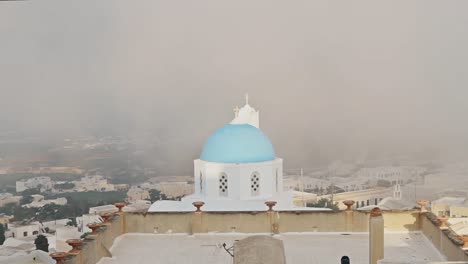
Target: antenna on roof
[[246, 98]]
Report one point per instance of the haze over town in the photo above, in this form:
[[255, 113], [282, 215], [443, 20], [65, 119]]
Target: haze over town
[[330, 83], [112, 101]]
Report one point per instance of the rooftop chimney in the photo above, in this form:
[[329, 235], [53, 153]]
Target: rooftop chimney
[[422, 205], [376, 236]]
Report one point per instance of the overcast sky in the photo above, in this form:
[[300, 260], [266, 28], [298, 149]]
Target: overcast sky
[[330, 78]]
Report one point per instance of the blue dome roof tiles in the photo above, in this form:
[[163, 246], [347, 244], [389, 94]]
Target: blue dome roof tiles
[[240, 143]]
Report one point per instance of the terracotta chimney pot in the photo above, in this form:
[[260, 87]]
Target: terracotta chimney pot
[[94, 227], [75, 244], [270, 205], [464, 238], [443, 222], [106, 217], [375, 212], [198, 205], [422, 204], [349, 204], [58, 256], [376, 236], [119, 206]]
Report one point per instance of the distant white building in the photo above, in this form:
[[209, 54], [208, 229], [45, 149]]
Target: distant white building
[[62, 234], [135, 194], [43, 182], [389, 204], [174, 189], [12, 255], [450, 206], [93, 183], [38, 201], [109, 208], [121, 187], [305, 183], [461, 227], [22, 250], [8, 198], [393, 174], [20, 231]]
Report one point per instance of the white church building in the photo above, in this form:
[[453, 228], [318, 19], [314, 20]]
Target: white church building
[[237, 171]]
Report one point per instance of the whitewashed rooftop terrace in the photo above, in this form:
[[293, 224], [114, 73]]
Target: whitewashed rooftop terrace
[[319, 248]]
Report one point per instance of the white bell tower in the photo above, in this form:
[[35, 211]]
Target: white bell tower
[[246, 115]]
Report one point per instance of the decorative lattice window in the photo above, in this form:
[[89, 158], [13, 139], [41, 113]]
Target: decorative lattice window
[[255, 184], [223, 185]]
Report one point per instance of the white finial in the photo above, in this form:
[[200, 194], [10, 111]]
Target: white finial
[[246, 98]]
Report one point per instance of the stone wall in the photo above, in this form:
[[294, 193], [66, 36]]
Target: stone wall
[[97, 246], [265, 222], [444, 241]]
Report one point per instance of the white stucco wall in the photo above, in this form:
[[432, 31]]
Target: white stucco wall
[[239, 178], [19, 231]]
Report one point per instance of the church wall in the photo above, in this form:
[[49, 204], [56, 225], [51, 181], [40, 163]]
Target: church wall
[[196, 175], [401, 221], [213, 171], [342, 221], [265, 174], [159, 223], [279, 173], [239, 178], [96, 247], [237, 222], [260, 222], [316, 222]]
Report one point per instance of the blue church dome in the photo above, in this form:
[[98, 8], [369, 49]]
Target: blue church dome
[[239, 143]]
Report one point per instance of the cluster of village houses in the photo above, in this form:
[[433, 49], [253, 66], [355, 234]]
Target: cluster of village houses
[[360, 187]]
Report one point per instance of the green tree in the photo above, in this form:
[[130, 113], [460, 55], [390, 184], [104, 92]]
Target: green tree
[[31, 191], [72, 222], [2, 234], [8, 209], [384, 183], [333, 189], [324, 203], [42, 243], [155, 195], [64, 186], [26, 199]]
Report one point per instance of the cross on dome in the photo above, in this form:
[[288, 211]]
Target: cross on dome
[[236, 111]]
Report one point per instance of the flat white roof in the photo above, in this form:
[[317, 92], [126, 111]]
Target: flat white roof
[[319, 248]]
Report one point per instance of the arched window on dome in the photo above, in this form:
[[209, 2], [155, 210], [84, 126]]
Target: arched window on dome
[[223, 184], [255, 184]]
